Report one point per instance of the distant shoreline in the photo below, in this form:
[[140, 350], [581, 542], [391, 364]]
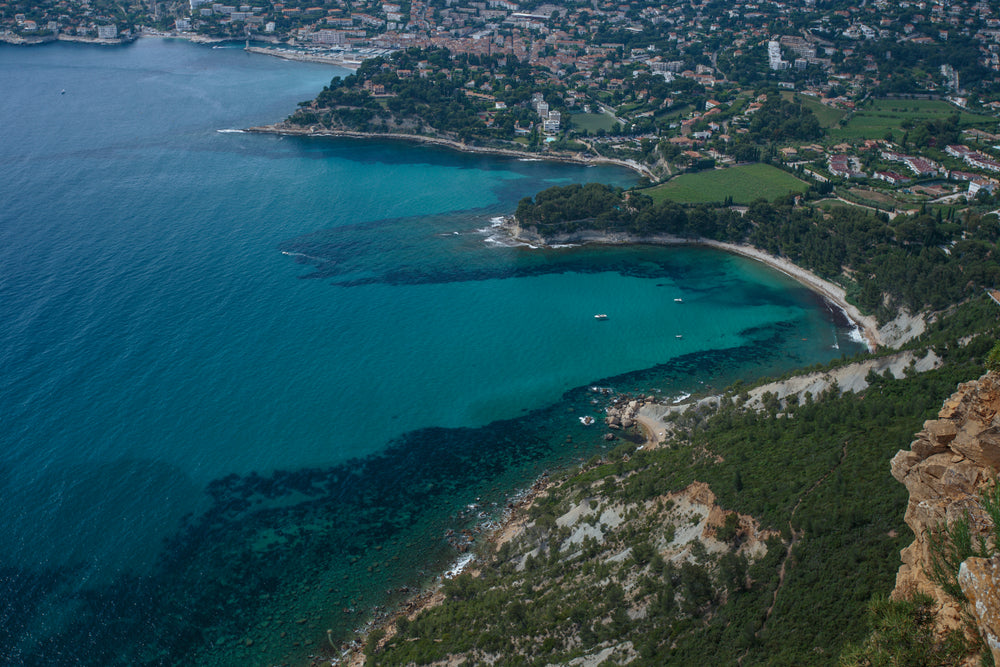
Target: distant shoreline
[[828, 290], [283, 129], [329, 58]]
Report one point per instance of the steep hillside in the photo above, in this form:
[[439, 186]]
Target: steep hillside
[[950, 472], [754, 533]]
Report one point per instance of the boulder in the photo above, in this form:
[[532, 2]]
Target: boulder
[[980, 581]]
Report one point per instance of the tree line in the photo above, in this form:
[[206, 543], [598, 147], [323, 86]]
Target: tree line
[[913, 261]]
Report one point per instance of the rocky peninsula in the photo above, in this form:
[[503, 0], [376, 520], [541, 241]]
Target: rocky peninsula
[[453, 143]]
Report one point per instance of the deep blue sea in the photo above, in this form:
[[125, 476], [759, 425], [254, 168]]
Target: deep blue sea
[[248, 382]]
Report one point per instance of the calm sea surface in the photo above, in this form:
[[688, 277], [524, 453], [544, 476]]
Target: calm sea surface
[[247, 383]]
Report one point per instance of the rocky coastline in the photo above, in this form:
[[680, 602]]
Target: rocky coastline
[[19, 40], [509, 526], [454, 144]]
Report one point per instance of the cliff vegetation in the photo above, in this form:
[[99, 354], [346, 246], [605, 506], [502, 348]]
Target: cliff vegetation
[[750, 535]]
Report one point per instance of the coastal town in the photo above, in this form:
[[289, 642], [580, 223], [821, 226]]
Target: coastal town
[[854, 147], [894, 103]]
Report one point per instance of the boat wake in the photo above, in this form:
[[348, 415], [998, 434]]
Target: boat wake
[[231, 131], [304, 256]]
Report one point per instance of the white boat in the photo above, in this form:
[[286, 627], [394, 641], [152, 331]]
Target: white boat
[[600, 316], [679, 300]]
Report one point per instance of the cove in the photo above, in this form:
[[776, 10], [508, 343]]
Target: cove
[[249, 383]]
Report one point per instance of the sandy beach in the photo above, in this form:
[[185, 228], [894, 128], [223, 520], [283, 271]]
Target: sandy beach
[[835, 294]]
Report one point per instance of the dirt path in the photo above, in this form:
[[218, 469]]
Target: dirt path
[[796, 536]]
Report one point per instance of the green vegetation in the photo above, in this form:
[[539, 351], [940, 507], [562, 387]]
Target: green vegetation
[[826, 115], [781, 120], [914, 262], [740, 185], [815, 472], [388, 94], [993, 359], [879, 117], [902, 633], [592, 122]]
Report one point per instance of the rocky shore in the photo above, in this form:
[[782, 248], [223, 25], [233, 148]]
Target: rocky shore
[[555, 156], [510, 525], [18, 40]]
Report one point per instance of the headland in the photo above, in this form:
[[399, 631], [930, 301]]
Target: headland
[[454, 144]]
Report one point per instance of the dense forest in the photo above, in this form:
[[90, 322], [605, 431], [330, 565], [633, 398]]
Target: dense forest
[[780, 120], [453, 98], [923, 261], [814, 472]]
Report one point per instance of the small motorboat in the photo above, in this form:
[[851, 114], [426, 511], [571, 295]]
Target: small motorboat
[[600, 316]]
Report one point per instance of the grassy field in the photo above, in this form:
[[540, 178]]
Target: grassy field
[[592, 122], [674, 114], [827, 116], [744, 184], [880, 116]]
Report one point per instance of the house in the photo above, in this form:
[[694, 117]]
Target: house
[[920, 166], [989, 185], [959, 151], [891, 177], [844, 166]]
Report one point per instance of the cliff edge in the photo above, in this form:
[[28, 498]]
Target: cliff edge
[[954, 458]]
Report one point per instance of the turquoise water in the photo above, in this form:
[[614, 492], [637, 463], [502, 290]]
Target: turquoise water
[[248, 383]]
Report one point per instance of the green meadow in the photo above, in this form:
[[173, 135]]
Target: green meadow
[[592, 122], [744, 184], [880, 116]]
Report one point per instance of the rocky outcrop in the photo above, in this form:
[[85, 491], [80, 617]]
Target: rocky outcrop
[[980, 581], [623, 412], [948, 464]]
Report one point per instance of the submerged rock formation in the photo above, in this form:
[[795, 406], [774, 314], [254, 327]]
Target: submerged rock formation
[[953, 458]]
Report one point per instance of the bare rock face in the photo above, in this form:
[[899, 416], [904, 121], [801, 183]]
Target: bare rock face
[[948, 464], [980, 581]]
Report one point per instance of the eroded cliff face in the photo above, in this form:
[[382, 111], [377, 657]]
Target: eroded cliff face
[[952, 459]]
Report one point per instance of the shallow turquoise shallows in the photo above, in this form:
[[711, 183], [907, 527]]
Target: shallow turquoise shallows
[[248, 383]]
